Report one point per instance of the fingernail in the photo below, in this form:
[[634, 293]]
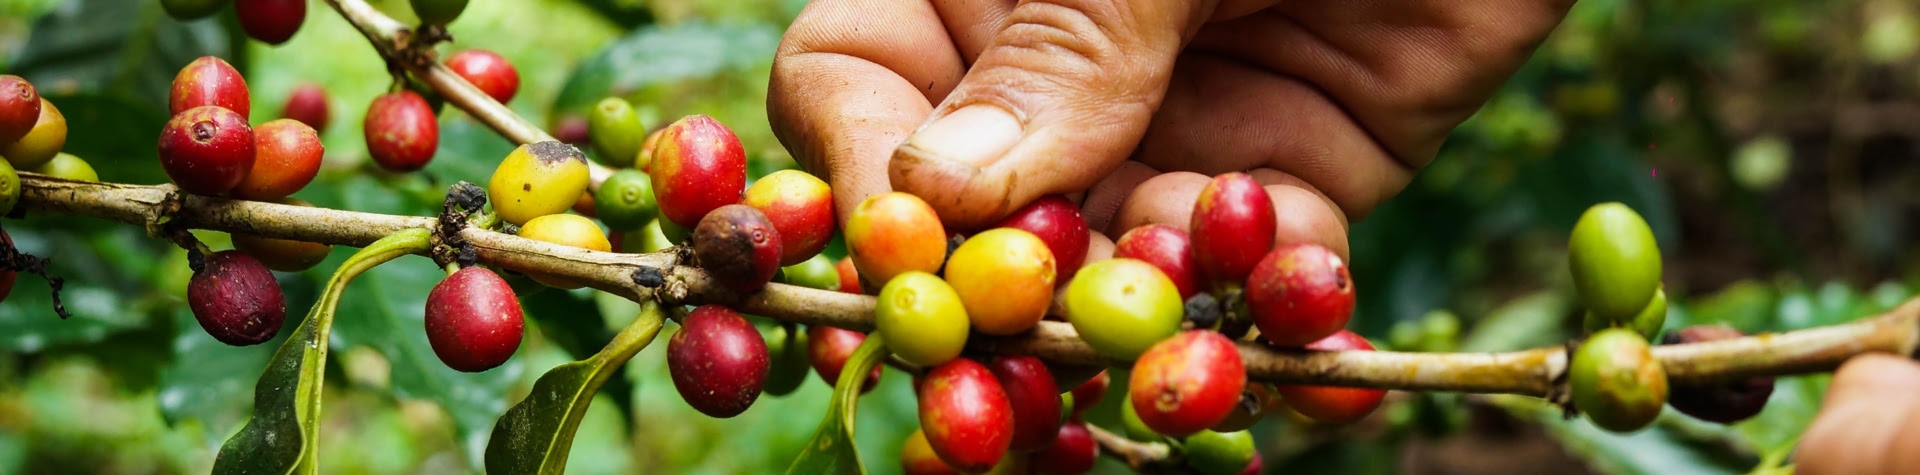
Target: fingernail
[[976, 135]]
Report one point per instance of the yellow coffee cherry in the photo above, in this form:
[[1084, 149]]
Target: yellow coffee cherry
[[567, 230], [537, 179]]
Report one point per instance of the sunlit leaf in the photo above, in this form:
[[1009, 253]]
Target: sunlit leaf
[[832, 449], [536, 435]]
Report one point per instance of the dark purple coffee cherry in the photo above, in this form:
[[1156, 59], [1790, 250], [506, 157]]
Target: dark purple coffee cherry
[[236, 299], [718, 361]]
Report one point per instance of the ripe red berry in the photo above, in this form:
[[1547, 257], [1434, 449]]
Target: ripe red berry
[[286, 156], [1300, 293], [308, 104], [738, 246], [1073, 452], [1034, 398], [401, 131], [236, 299], [828, 349], [488, 71], [1333, 404], [1187, 383], [699, 165], [473, 320], [209, 81], [207, 150], [800, 206], [1232, 227], [19, 108], [1057, 222], [718, 361], [271, 21], [849, 276], [966, 415], [1089, 393], [1167, 248]]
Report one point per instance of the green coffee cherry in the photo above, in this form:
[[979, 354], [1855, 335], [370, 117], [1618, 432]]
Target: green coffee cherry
[[1617, 382], [9, 187], [1648, 322], [1216, 453], [67, 166], [438, 12], [625, 201], [616, 132], [1615, 261], [1136, 428], [816, 272]]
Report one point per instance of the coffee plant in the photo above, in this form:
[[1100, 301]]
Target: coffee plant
[[245, 243]]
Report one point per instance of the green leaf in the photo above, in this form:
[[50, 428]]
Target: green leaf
[[1654, 450], [536, 435], [832, 449], [127, 48], [282, 436], [102, 264], [1528, 322]]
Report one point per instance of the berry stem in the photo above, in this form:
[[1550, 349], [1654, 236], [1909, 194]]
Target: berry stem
[[1137, 455]]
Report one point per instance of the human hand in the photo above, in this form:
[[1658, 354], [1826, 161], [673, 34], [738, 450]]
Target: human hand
[[981, 107], [1870, 422]]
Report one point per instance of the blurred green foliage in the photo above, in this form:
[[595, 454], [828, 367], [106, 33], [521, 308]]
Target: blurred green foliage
[[1766, 141]]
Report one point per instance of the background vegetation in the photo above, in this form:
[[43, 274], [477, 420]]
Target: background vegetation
[[1770, 143]]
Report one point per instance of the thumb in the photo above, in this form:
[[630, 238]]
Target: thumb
[[1058, 99]]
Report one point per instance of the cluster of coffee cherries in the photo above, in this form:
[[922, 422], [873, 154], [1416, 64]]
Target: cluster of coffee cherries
[[32, 134], [268, 21], [1614, 377]]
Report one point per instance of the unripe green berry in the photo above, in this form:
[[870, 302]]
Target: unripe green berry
[[9, 187], [1615, 261], [1218, 453], [438, 12], [625, 201], [616, 132], [1648, 322], [1617, 382]]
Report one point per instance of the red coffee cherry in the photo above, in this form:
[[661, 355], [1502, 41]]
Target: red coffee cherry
[[488, 71], [849, 276], [1300, 293], [1089, 393], [1232, 227], [1187, 383], [271, 21], [1725, 403], [718, 361], [1333, 404], [401, 131], [308, 104], [19, 108], [1034, 398], [739, 247], [236, 299], [699, 165], [1072, 452], [965, 414], [209, 81], [828, 348], [207, 150], [1057, 222], [473, 320], [286, 157], [800, 206], [1167, 248]]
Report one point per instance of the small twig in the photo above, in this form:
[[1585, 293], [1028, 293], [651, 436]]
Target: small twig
[[12, 259], [1138, 455]]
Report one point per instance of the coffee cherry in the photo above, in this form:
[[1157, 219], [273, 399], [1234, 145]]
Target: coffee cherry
[[1217, 453], [236, 299], [209, 81], [271, 21], [698, 165], [922, 319], [567, 230], [966, 415], [625, 200], [1121, 307], [1300, 293], [1166, 247], [1254, 467], [739, 247], [1089, 394], [801, 207], [308, 104], [1005, 278], [1072, 452], [437, 12], [488, 71], [19, 108], [1615, 261], [891, 233], [1034, 398], [616, 132], [189, 10], [1187, 383], [1648, 322], [48, 136], [207, 150], [849, 276], [1334, 404], [718, 361], [1725, 403], [1135, 428], [816, 272], [917, 457], [828, 348], [286, 157], [537, 179], [788, 366], [572, 128], [9, 188], [1232, 227], [1056, 221], [401, 131], [1255, 403], [68, 167], [473, 319], [646, 150], [1616, 380]]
